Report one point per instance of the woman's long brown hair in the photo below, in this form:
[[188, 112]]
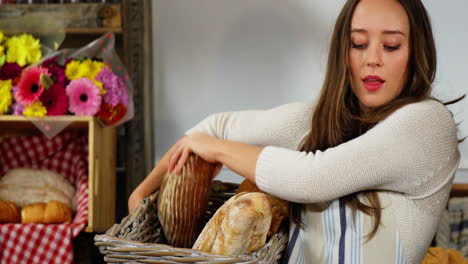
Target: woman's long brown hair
[[337, 117]]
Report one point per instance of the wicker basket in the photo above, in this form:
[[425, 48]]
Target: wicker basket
[[139, 237]]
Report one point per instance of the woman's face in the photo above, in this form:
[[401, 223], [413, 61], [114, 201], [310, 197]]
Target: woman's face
[[379, 51]]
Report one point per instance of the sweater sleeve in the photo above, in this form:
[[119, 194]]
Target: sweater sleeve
[[284, 126], [414, 151]]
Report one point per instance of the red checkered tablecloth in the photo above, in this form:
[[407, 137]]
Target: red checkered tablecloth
[[66, 154]]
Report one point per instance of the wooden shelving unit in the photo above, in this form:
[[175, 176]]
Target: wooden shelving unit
[[119, 157], [80, 23], [82, 18]]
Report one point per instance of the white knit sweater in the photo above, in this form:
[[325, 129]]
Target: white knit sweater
[[410, 157]]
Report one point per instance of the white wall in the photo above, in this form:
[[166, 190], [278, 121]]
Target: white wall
[[227, 55]]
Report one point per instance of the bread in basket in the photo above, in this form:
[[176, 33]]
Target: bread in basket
[[139, 237]]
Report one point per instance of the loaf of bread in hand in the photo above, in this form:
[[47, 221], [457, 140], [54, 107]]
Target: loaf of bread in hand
[[238, 227], [53, 212], [9, 212], [279, 207], [25, 186], [182, 201]]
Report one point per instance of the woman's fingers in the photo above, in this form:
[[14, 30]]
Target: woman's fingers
[[198, 143], [174, 157], [183, 158]]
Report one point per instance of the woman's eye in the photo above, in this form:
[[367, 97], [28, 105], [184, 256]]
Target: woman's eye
[[358, 46], [391, 48]]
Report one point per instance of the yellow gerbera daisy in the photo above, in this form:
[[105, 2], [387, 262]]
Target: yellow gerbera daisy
[[6, 98], [73, 70], [88, 67], [2, 50], [2, 36], [23, 49], [35, 109], [96, 68]]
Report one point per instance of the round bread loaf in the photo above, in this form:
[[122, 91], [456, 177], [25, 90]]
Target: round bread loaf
[[182, 201], [25, 186]]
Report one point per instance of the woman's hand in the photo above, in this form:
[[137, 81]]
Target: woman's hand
[[134, 201], [201, 144], [239, 157]]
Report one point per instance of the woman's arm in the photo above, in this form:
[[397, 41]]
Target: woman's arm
[[151, 183], [237, 138], [414, 151], [239, 157], [285, 126]]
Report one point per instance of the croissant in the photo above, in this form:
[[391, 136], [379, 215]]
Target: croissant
[[9, 212], [182, 201]]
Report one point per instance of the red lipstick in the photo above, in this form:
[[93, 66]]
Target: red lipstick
[[373, 82]]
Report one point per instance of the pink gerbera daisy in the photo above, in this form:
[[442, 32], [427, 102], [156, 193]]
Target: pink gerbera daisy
[[55, 100], [84, 97], [29, 85]]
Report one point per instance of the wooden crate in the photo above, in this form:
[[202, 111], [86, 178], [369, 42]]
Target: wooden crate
[[101, 166]]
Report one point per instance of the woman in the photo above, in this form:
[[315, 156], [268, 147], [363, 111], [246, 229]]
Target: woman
[[369, 165]]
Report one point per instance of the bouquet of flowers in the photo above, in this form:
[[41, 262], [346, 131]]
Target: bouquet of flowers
[[89, 81], [16, 53]]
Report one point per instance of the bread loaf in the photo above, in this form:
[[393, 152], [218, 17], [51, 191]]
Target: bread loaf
[[240, 226], [182, 201], [279, 207], [279, 211], [53, 212], [248, 186], [208, 236], [25, 186], [33, 213], [9, 212], [56, 212]]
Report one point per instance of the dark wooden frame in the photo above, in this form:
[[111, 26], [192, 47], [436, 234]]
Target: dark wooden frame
[[135, 138]]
